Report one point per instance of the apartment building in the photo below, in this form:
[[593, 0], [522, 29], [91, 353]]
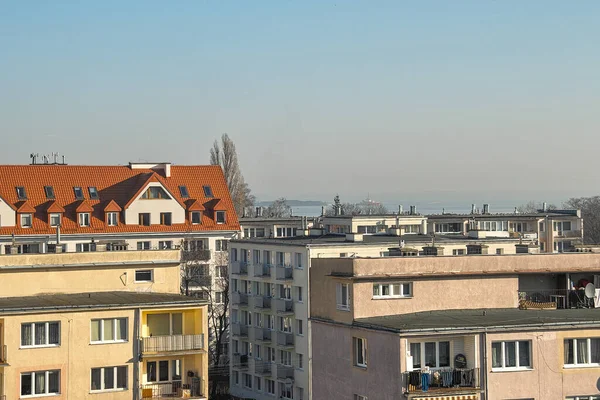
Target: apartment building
[[520, 326], [273, 227], [100, 325], [270, 299]]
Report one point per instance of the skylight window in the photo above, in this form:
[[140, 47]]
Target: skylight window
[[78, 192], [184, 192], [93, 193], [208, 191], [21, 194], [49, 192]]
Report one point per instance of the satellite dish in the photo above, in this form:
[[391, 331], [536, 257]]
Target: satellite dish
[[590, 291], [288, 383]]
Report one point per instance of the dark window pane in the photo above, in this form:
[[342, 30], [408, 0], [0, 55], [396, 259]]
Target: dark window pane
[[96, 379], [430, 354], [54, 334], [40, 333], [151, 371], [54, 382], [26, 330], [444, 348], [122, 377], [164, 370], [26, 384], [109, 378], [497, 355], [569, 351], [510, 357]]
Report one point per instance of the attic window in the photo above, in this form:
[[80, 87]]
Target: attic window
[[184, 192], [93, 193], [49, 192], [155, 192], [21, 194], [208, 191], [78, 192]]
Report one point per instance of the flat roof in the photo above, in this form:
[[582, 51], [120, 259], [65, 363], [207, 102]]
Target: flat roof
[[481, 320], [93, 300]]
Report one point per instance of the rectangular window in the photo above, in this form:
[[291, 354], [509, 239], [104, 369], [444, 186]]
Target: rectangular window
[[270, 386], [257, 383], [109, 379], [247, 380], [21, 193], [38, 383], [511, 355], [93, 193], [299, 294], [458, 252], [25, 220], [165, 218], [234, 255], [144, 219], [582, 352], [285, 357], [49, 190], [54, 219], [221, 245], [196, 218], [109, 330], [299, 330], [183, 191], [360, 352], [343, 297], [415, 352], [78, 192], [112, 218], [85, 247], [40, 334], [143, 245], [207, 191], [430, 354], [220, 217], [165, 244], [157, 371], [300, 361], [298, 259], [285, 391], [359, 397], [84, 219], [143, 275], [236, 378], [392, 290]]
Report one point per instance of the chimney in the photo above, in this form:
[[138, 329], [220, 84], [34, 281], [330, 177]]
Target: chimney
[[545, 206], [413, 210], [400, 210], [258, 212], [322, 211], [472, 208], [486, 209], [338, 210]]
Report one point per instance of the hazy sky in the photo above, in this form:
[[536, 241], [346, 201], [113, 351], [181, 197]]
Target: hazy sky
[[396, 99]]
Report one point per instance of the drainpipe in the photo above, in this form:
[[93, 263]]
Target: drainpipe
[[484, 365], [137, 354]]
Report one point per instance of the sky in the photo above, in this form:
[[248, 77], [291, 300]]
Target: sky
[[391, 99]]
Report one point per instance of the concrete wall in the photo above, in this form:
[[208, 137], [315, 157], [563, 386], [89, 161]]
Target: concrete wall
[[8, 216], [335, 377], [154, 207], [323, 302]]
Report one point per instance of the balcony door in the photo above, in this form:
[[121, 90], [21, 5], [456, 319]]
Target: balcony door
[[165, 324]]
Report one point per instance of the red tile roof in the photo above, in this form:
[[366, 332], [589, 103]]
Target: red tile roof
[[116, 186]]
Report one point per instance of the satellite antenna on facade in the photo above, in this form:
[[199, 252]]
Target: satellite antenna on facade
[[288, 383], [590, 291]]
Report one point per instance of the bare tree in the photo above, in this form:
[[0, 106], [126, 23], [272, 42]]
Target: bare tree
[[590, 212], [365, 207], [225, 155], [532, 207], [279, 209], [195, 268]]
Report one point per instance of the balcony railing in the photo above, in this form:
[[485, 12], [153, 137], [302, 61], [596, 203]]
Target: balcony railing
[[238, 329], [283, 305], [240, 360], [3, 354], [569, 234], [440, 380], [160, 344], [239, 298], [172, 389], [261, 301], [285, 371], [262, 334], [239, 268], [284, 272], [285, 339], [262, 367], [261, 269], [561, 298]]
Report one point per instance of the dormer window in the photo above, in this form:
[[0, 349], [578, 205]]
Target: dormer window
[[184, 192], [78, 192], [220, 217], [155, 192], [84, 219], [196, 217], [21, 193], [93, 193], [49, 192], [26, 220], [112, 218], [54, 220], [208, 191]]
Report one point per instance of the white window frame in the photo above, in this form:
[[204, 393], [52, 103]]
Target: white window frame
[[46, 382], [423, 351], [299, 328], [285, 358], [392, 291], [24, 216], [103, 371], [343, 302], [47, 329], [517, 358], [300, 361], [144, 280], [576, 363], [114, 322], [360, 352], [54, 216], [112, 218], [84, 219], [592, 397], [143, 245], [270, 386], [359, 397], [286, 393], [220, 213]]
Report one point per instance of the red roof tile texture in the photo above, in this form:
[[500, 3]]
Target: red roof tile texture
[[117, 187]]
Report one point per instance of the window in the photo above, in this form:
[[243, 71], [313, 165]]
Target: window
[[298, 259], [207, 191], [143, 245], [85, 247], [285, 392], [93, 192], [165, 218], [499, 251], [78, 193], [259, 232], [299, 294], [270, 386], [143, 275], [49, 190], [583, 398], [300, 361], [196, 217], [54, 219], [270, 354], [221, 245], [183, 192], [25, 220], [236, 377], [285, 324], [365, 229], [155, 192], [219, 297], [40, 334], [257, 383], [109, 379], [234, 255], [343, 297], [84, 219], [360, 352], [165, 324], [220, 217], [435, 354], [300, 392], [299, 330], [160, 374], [21, 193], [165, 244], [247, 380], [511, 355], [582, 352], [392, 290], [221, 271], [359, 397], [144, 219], [112, 218], [109, 330], [458, 252], [285, 357], [40, 383]]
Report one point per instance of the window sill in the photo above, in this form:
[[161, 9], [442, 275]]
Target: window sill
[[512, 369], [33, 396], [361, 367], [143, 281], [41, 346], [107, 391], [109, 342], [343, 309], [573, 366], [391, 297]]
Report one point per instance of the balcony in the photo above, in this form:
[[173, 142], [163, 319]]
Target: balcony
[[173, 390], [554, 298], [262, 334], [261, 270], [239, 330], [173, 343], [284, 273], [285, 339], [3, 355], [283, 306], [569, 234], [285, 371], [446, 381], [262, 367], [238, 298], [240, 361], [261, 302], [239, 268]]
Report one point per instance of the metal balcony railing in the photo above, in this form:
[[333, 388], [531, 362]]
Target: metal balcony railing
[[285, 371], [172, 389], [261, 302], [562, 298], [285, 339], [262, 334], [261, 270], [239, 298], [240, 360], [159, 344], [238, 329], [284, 272], [440, 380], [239, 268], [283, 305], [262, 367]]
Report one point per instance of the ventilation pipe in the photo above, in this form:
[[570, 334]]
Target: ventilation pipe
[[486, 208], [472, 208]]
